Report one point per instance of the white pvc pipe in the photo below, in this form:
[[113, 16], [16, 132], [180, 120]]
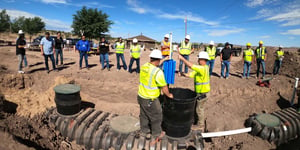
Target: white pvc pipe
[[224, 133]]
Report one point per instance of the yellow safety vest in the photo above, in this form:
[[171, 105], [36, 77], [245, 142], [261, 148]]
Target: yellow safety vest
[[248, 54], [211, 52], [148, 88], [201, 80], [165, 51], [185, 49], [135, 51], [279, 54], [120, 47], [260, 54]]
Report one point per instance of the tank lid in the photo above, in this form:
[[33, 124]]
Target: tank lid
[[268, 120], [67, 89], [125, 124]]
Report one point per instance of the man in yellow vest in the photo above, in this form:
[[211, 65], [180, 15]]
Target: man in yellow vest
[[278, 61], [212, 51], [135, 53], [261, 57], [152, 82], [247, 57], [202, 86], [185, 50], [120, 47], [165, 46]]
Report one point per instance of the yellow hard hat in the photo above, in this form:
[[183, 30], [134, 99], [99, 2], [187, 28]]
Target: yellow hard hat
[[261, 42], [248, 44]]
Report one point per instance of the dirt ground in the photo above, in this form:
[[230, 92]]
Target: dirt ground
[[230, 103]]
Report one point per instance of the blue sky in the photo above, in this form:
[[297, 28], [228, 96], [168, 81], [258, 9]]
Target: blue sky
[[276, 22]]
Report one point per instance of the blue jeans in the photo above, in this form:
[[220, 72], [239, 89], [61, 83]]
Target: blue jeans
[[21, 59], [25, 61], [123, 61], [59, 52], [104, 58], [85, 55], [211, 64], [137, 64], [226, 64], [185, 66], [277, 66], [262, 63], [51, 56], [247, 68]]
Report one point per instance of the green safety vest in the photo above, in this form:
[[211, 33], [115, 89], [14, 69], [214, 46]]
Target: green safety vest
[[148, 88], [211, 52], [185, 49], [201, 81], [135, 51], [120, 47], [260, 54], [248, 54], [279, 54]]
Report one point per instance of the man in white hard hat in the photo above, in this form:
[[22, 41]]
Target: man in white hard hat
[[152, 82], [20, 50], [212, 52], [202, 86], [278, 61], [165, 46], [135, 53], [185, 50], [261, 57]]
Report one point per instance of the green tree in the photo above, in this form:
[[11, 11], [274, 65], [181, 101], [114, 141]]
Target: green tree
[[90, 22], [17, 24], [33, 26], [220, 45], [4, 21]]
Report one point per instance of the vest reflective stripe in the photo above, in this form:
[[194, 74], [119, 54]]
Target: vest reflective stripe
[[248, 55], [185, 49], [148, 88], [260, 54], [165, 51], [279, 54], [211, 52], [135, 51], [120, 48], [201, 82]]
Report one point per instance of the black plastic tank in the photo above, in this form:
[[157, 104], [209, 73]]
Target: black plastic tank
[[67, 99], [178, 113]]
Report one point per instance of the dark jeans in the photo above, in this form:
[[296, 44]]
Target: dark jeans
[[59, 52], [137, 64], [104, 58], [123, 61], [277, 66], [262, 63], [185, 66], [85, 55], [225, 64], [51, 56], [247, 68], [150, 116], [211, 64]]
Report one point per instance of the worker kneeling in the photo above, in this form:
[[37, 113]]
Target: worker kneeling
[[202, 87], [152, 80]]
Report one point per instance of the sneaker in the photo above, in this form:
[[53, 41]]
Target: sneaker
[[226, 78], [118, 70], [20, 72]]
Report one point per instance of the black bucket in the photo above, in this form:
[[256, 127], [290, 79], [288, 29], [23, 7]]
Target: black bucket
[[67, 99], [178, 113]]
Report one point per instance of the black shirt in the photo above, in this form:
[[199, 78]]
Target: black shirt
[[58, 43], [20, 50], [104, 48], [226, 53]]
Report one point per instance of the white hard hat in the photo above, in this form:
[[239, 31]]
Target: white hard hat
[[211, 43], [188, 37], [156, 54], [134, 40], [20, 32], [167, 36], [203, 55], [280, 46]]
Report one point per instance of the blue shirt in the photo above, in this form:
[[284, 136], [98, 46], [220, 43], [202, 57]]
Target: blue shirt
[[47, 45], [83, 45]]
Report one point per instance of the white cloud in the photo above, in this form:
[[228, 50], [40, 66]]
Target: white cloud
[[265, 37], [54, 1], [255, 3], [92, 4], [134, 6], [292, 32], [223, 32], [50, 23]]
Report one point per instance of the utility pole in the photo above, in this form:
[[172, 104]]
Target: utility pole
[[185, 21]]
